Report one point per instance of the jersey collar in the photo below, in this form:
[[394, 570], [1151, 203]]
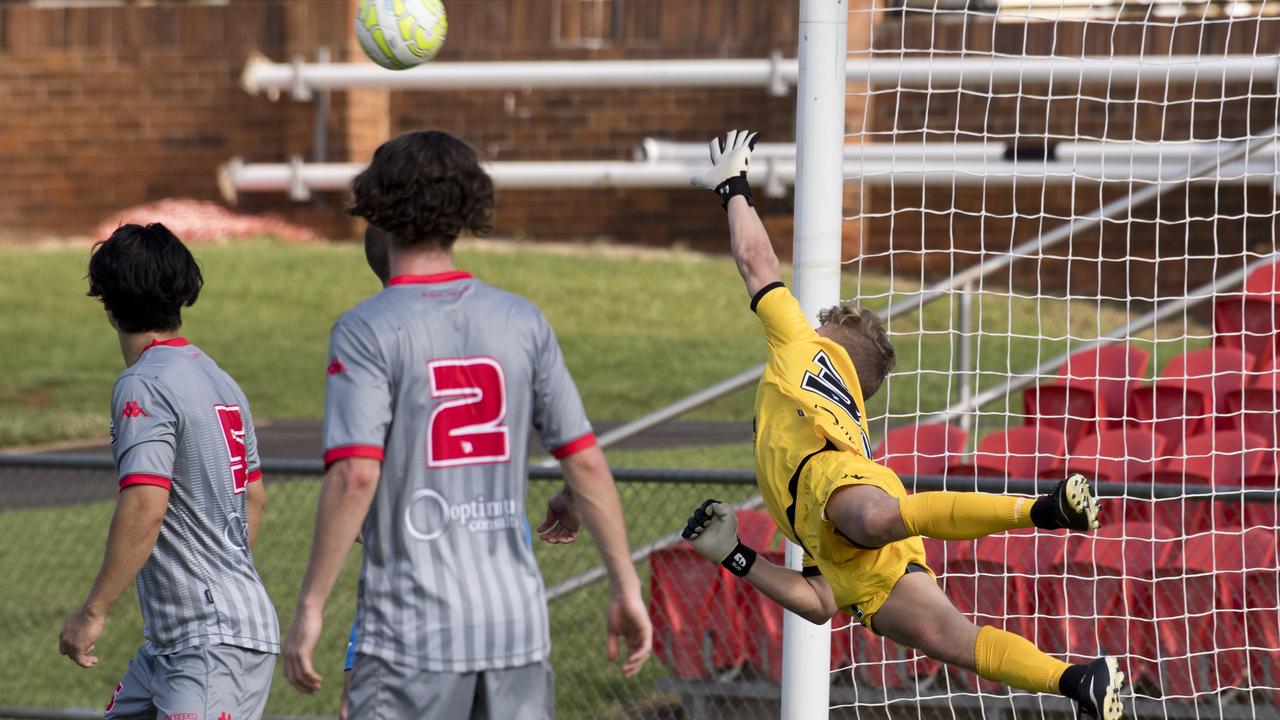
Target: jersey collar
[[443, 277], [171, 342]]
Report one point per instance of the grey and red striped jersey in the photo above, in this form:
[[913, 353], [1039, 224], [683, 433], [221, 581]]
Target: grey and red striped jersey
[[180, 422], [440, 377]]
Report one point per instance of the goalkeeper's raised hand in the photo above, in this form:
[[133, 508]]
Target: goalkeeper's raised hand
[[713, 531], [727, 176]]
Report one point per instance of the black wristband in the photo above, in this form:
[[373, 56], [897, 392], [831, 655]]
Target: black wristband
[[739, 561], [736, 185]]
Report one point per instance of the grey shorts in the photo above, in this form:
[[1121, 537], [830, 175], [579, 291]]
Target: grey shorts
[[381, 691], [207, 682]]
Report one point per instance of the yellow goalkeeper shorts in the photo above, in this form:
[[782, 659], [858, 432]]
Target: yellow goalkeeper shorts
[[860, 578]]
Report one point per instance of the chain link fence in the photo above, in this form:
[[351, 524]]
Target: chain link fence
[[717, 644]]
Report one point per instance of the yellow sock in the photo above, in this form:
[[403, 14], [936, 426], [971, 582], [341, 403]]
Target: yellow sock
[[1012, 660], [963, 515]]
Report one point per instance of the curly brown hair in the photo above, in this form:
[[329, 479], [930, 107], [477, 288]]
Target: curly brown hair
[[861, 333], [425, 188]]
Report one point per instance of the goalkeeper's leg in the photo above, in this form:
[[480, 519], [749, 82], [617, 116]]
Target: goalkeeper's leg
[[870, 518], [918, 615]]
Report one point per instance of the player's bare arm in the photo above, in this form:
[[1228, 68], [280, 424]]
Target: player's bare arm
[[588, 477], [748, 240], [713, 531], [134, 529], [345, 496], [255, 503]]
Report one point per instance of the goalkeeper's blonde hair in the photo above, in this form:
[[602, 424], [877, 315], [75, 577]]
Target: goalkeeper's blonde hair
[[861, 333]]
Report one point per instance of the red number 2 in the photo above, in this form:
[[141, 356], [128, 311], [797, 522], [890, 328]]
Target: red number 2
[[467, 426], [232, 423]]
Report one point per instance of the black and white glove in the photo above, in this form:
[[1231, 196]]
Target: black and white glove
[[713, 531], [728, 174]]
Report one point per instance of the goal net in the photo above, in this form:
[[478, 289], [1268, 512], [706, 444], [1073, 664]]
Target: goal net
[[1068, 210]]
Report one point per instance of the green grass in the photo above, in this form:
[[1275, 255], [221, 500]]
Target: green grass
[[637, 332]]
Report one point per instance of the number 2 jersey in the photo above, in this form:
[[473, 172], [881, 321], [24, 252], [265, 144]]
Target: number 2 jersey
[[181, 423], [440, 377]]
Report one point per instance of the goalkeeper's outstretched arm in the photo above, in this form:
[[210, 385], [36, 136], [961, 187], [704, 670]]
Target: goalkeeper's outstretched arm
[[713, 531], [748, 240]]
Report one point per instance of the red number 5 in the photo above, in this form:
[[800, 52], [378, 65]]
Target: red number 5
[[233, 433], [467, 426]]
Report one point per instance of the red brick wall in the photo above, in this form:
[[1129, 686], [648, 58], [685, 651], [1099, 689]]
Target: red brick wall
[[103, 108], [1158, 251]]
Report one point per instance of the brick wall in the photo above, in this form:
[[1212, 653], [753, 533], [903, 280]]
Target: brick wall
[[1158, 251], [106, 107]]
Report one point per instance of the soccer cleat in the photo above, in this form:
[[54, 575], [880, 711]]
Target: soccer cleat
[[1075, 507], [1099, 695]]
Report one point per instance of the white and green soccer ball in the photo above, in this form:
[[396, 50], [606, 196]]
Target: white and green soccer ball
[[399, 34]]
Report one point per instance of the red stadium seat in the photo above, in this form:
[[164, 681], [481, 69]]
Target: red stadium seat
[[1221, 459], [1192, 394], [1116, 455], [1091, 393], [1020, 452], [1256, 408], [1107, 594], [1203, 634], [706, 620], [1250, 320], [914, 450]]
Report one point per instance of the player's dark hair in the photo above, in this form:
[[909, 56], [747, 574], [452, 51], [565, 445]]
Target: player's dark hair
[[144, 276], [377, 252], [425, 188], [861, 333]]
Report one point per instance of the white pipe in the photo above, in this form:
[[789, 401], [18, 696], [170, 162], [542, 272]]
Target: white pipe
[[1065, 151], [819, 218], [300, 179], [774, 73]]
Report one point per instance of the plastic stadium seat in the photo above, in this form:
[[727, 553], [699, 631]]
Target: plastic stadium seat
[[1250, 320], [1192, 395], [1107, 594], [1090, 393], [1256, 408], [1221, 459], [1202, 598], [914, 450], [1116, 455], [701, 613], [1020, 452]]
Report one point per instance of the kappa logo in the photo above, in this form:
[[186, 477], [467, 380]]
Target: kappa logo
[[336, 367], [132, 410], [224, 716]]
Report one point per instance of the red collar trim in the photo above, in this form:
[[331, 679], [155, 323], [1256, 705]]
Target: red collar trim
[[443, 277], [171, 342]]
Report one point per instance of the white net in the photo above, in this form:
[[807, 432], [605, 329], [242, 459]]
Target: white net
[[1113, 165]]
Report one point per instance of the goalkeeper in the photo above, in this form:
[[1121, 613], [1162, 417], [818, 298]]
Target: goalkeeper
[[859, 528]]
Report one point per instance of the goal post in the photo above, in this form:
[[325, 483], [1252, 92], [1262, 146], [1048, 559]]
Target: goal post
[[816, 262]]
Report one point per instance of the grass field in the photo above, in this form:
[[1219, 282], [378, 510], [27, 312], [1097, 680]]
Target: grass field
[[637, 332]]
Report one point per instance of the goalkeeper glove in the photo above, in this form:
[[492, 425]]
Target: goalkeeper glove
[[713, 531], [728, 174]]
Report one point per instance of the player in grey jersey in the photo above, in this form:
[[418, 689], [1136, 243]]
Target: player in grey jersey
[[190, 502], [433, 386]]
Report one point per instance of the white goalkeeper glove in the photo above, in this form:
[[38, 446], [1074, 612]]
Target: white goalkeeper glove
[[713, 531], [730, 157]]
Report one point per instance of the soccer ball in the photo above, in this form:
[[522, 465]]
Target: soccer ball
[[399, 34]]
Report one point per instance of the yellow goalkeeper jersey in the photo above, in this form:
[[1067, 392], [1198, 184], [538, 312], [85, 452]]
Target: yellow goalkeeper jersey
[[808, 400]]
